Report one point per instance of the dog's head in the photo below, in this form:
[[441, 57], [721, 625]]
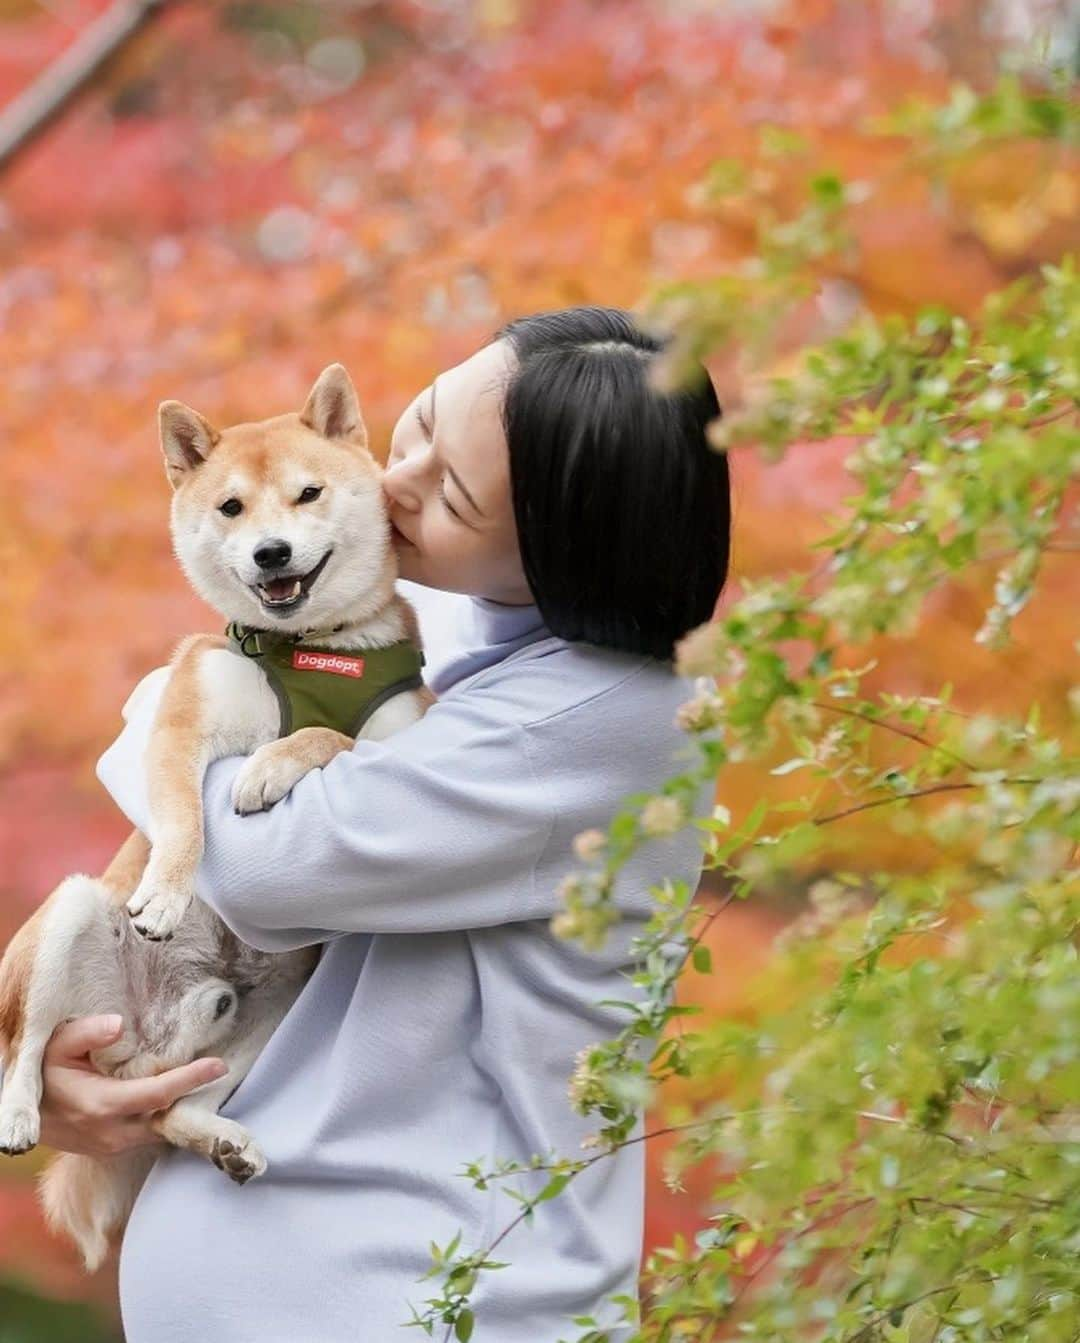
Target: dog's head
[[281, 523]]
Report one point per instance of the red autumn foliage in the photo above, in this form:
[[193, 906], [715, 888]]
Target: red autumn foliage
[[228, 208]]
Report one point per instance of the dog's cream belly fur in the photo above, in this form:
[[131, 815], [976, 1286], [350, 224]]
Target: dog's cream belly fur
[[241, 710], [235, 700], [400, 712]]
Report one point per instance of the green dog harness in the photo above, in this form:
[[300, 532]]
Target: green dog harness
[[327, 687]]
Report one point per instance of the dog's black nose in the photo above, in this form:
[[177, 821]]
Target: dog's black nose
[[273, 554]]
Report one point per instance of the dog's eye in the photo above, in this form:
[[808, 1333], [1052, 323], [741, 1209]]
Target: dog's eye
[[231, 507], [309, 494]]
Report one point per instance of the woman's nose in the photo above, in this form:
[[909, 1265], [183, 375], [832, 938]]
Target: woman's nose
[[398, 487]]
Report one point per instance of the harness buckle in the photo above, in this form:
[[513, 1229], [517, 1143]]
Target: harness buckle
[[243, 640]]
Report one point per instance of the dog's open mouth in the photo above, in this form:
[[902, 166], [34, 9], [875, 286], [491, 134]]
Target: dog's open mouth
[[282, 594]]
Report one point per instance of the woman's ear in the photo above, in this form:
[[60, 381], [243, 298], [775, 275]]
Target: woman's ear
[[333, 408]]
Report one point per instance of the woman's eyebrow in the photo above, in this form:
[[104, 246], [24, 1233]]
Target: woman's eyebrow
[[453, 474]]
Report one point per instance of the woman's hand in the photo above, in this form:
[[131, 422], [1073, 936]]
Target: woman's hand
[[84, 1112]]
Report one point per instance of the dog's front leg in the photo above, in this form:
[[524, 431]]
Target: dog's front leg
[[277, 766], [191, 1124], [176, 760]]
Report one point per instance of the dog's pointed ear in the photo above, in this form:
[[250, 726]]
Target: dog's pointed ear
[[333, 408], [186, 438]]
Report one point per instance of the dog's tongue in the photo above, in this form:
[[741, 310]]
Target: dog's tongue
[[280, 588]]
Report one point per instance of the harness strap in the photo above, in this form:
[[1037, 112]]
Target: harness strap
[[327, 687]]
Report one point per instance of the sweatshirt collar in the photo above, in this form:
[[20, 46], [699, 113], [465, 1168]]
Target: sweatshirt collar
[[488, 632], [490, 622]]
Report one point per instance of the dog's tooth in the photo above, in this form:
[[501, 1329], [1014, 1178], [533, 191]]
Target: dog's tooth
[[278, 596]]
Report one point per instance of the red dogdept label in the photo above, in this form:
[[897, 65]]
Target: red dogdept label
[[327, 662]]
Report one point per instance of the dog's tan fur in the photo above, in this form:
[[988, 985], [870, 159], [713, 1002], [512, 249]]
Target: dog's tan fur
[[15, 971], [173, 773], [128, 864], [77, 954]]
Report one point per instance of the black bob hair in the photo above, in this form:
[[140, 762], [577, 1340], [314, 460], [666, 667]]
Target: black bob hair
[[622, 508]]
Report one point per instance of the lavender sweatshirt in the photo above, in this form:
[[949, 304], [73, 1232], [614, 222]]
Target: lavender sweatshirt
[[442, 1020]]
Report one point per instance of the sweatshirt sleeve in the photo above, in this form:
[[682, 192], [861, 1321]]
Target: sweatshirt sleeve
[[438, 828]]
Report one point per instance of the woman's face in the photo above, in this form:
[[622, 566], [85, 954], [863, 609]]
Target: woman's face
[[447, 484]]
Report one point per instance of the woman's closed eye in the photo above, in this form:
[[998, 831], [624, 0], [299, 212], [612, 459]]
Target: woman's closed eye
[[441, 488], [448, 505]]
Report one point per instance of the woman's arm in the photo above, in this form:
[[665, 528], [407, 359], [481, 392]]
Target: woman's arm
[[438, 828]]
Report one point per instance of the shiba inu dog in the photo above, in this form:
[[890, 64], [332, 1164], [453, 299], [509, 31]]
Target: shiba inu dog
[[280, 525]]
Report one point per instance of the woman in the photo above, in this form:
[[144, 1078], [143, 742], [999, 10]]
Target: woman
[[586, 521]]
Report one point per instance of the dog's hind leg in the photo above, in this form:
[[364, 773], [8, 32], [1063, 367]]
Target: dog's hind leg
[[47, 980], [91, 1200]]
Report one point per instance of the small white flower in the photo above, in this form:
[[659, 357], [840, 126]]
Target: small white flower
[[662, 816], [697, 653], [566, 925], [590, 844], [698, 714], [570, 887]]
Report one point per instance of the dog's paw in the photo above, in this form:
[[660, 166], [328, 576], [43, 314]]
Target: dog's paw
[[20, 1129], [265, 778], [156, 914], [238, 1157]]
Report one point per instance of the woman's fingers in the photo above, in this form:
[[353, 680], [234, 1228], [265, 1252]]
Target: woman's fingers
[[157, 1093], [85, 1112], [75, 1039]]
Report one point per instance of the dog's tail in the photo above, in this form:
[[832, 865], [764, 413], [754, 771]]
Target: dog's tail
[[90, 1200]]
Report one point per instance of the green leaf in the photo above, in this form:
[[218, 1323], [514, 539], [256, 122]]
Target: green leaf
[[828, 189], [553, 1187]]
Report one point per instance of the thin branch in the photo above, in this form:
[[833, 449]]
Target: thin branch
[[955, 1207], [1057, 415], [784, 1241], [691, 944], [871, 1324], [893, 727], [23, 120], [901, 797]]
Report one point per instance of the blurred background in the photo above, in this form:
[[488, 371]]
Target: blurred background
[[245, 192]]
